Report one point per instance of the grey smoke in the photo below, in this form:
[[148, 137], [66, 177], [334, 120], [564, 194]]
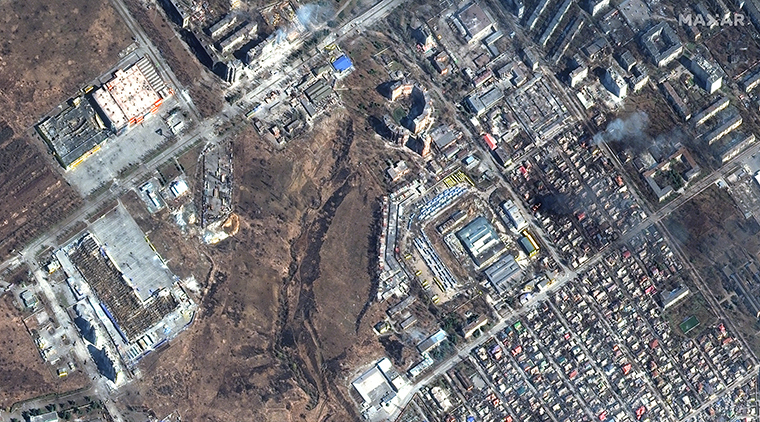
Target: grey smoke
[[631, 132], [312, 15], [632, 128]]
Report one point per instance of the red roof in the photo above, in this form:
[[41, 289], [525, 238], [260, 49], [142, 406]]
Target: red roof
[[489, 141]]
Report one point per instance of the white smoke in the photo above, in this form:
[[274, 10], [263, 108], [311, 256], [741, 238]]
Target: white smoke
[[312, 15], [630, 128]]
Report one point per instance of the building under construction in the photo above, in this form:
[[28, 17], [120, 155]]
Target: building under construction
[[74, 132]]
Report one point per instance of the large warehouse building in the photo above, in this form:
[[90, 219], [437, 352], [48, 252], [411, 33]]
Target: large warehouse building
[[74, 133], [134, 93], [481, 241]]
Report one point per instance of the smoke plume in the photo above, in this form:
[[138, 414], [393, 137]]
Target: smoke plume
[[630, 129]]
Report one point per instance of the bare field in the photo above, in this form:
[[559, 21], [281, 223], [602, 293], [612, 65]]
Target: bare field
[[713, 234], [25, 375], [283, 312], [34, 197], [49, 50]]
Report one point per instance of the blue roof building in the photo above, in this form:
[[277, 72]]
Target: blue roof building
[[342, 63]]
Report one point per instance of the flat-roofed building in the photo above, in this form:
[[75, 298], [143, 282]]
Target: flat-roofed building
[[131, 95], [218, 29], [514, 215], [74, 133], [481, 241], [238, 37], [676, 101], [717, 105], [432, 342], [503, 273], [614, 82], [709, 74], [475, 22], [662, 44], [669, 299]]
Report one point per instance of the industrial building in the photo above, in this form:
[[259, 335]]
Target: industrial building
[[134, 93], [475, 21], [481, 241], [114, 270], [503, 273], [318, 91], [432, 342], [73, 133], [379, 388], [662, 44]]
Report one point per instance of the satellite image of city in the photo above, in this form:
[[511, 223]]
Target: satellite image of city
[[380, 210]]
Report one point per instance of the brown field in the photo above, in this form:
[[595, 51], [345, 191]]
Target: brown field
[[713, 233], [24, 374], [48, 51], [33, 196], [283, 315]]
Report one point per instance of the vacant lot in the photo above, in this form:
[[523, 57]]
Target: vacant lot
[[24, 375], [713, 234], [33, 196], [49, 50], [284, 309]]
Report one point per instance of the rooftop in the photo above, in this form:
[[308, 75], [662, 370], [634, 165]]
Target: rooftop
[[480, 240], [503, 273], [474, 20], [73, 131]]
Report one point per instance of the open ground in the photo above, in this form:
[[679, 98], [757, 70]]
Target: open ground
[[284, 302]]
